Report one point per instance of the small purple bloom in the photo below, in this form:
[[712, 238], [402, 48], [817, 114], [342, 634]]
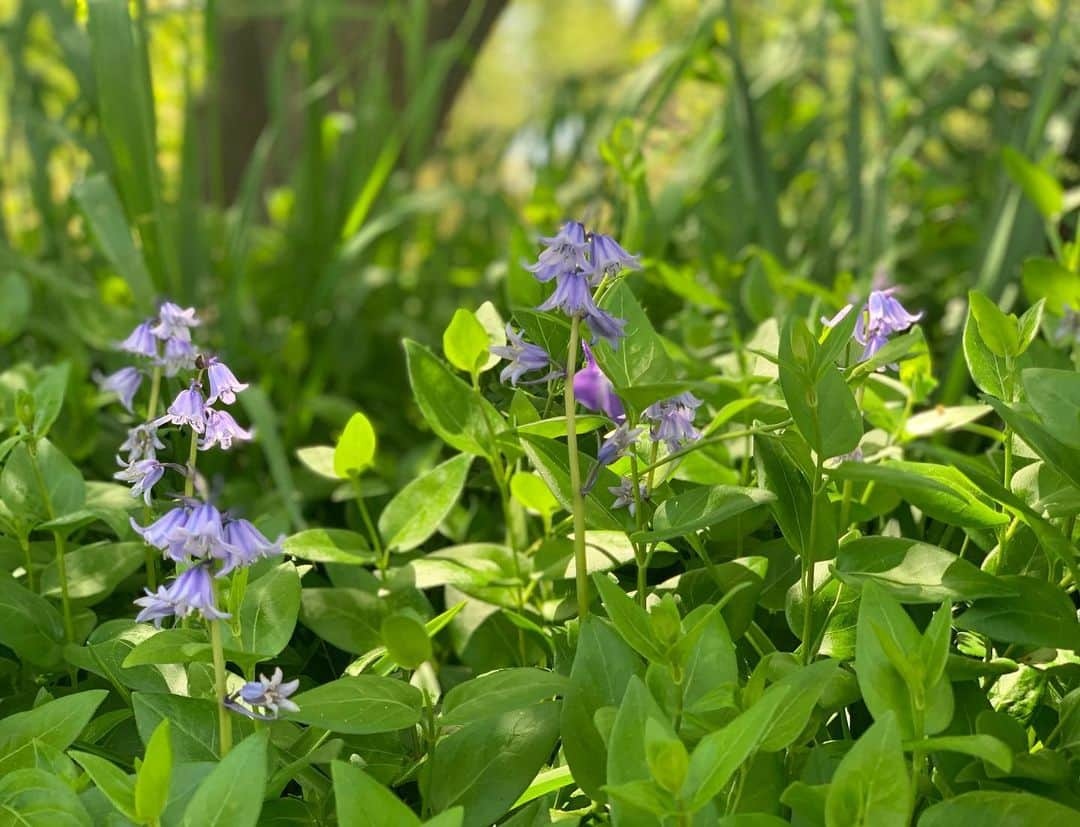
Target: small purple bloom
[[616, 444], [223, 385], [143, 474], [624, 494], [879, 318], [141, 341], [269, 694], [187, 409], [244, 544], [157, 534], [156, 606], [608, 258], [175, 322], [574, 297], [124, 383], [673, 420], [594, 390], [200, 537], [192, 591], [142, 442], [565, 253], [523, 356], [179, 355], [1068, 329], [221, 429]]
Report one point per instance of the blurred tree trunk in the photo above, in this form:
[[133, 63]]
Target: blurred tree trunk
[[249, 42]]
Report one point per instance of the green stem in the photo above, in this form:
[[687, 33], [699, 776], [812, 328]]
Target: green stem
[[382, 559], [220, 687], [580, 562], [711, 440], [808, 570], [639, 516], [25, 543], [58, 541], [151, 415], [192, 460]]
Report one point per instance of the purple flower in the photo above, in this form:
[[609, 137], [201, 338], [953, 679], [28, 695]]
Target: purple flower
[[142, 442], [565, 253], [673, 420], [157, 534], [200, 537], [1068, 329], [141, 341], [192, 591], [270, 694], [124, 383], [221, 429], [616, 444], [574, 297], [175, 322], [523, 356], [223, 385], [245, 544], [179, 355], [143, 474], [624, 494], [594, 390], [608, 258], [187, 409], [879, 318]]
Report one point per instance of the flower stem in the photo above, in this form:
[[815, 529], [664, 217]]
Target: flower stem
[[151, 415], [808, 648], [193, 456], [381, 559], [580, 562], [58, 540], [639, 515], [220, 687]]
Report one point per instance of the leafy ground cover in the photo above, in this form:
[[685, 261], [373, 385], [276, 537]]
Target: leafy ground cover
[[748, 499]]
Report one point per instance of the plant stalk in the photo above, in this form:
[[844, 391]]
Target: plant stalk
[[580, 562]]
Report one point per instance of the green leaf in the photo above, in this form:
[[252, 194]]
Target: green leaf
[[988, 370], [551, 461], [486, 765], [406, 639], [116, 784], [360, 705], [269, 611], [999, 331], [992, 808], [1040, 614], [1062, 457], [29, 624], [802, 689], [1040, 187], [500, 691], [49, 391], [94, 571], [914, 572], [55, 724], [641, 358], [319, 460], [417, 511], [532, 492], [871, 786], [155, 774], [1055, 396], [330, 545], [35, 798], [456, 413], [554, 427], [793, 501], [1046, 279], [700, 508], [629, 618], [16, 302], [360, 799], [988, 748], [465, 342], [355, 449], [60, 482], [350, 619], [193, 723], [232, 794]]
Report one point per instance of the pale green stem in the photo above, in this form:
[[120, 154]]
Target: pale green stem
[[220, 687], [808, 570], [580, 562], [58, 541]]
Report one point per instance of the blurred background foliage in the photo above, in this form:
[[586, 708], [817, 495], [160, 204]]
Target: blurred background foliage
[[322, 178]]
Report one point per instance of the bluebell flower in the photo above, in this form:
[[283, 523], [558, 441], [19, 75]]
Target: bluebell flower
[[573, 296], [615, 445], [187, 409], [244, 544], [565, 253], [1068, 329], [524, 357], [879, 318], [608, 258], [201, 537], [192, 591], [159, 532], [143, 474], [142, 442], [124, 383], [271, 695], [141, 341], [175, 322], [624, 494], [221, 429], [673, 420], [179, 354], [594, 390], [223, 384]]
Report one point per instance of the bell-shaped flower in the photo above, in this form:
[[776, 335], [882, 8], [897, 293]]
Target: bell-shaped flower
[[124, 383], [245, 544], [159, 532], [523, 357], [607, 258], [595, 391], [564, 253], [201, 537], [270, 695], [573, 296], [175, 322], [141, 341], [615, 445], [179, 354], [624, 494], [881, 316], [143, 475], [187, 409], [142, 442], [192, 591], [223, 384], [673, 420], [221, 429]]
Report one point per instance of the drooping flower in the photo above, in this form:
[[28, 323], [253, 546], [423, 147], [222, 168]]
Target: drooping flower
[[175, 322], [608, 258], [573, 296], [192, 591], [524, 357], [565, 253], [615, 445], [157, 534], [142, 442], [223, 384], [179, 355], [271, 695], [624, 494], [879, 318], [187, 409], [673, 420], [124, 383], [141, 341], [244, 544], [221, 429], [595, 391], [143, 475], [201, 537]]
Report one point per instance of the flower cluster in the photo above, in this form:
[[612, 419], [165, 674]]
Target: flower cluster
[[879, 318], [265, 698]]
